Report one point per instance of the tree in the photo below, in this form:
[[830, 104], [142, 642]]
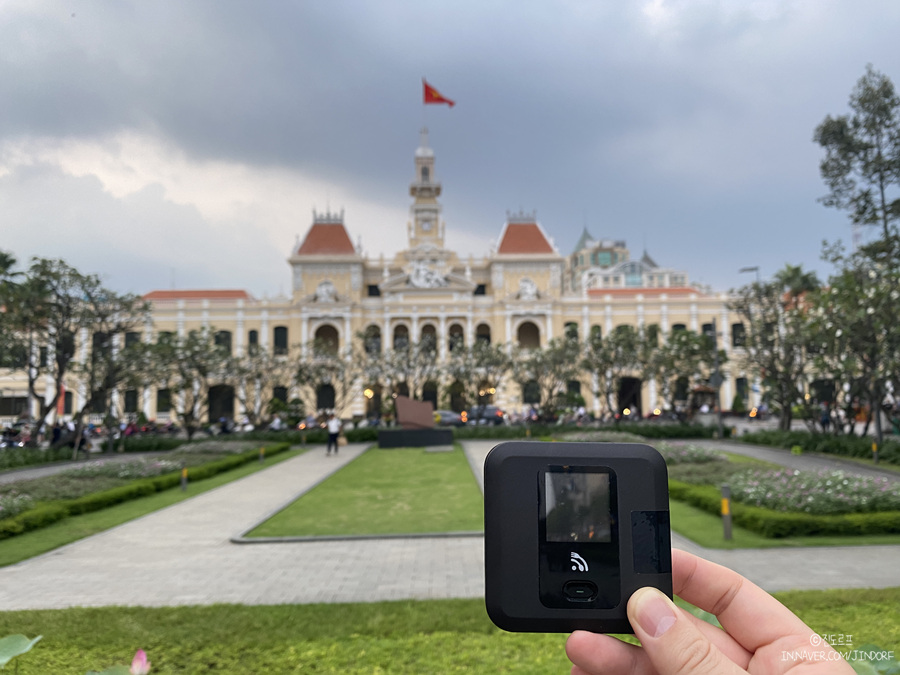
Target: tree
[[109, 362], [45, 313], [552, 368], [254, 375], [323, 367], [686, 356], [412, 365], [610, 359], [777, 319], [862, 154], [188, 366], [855, 336], [479, 367]]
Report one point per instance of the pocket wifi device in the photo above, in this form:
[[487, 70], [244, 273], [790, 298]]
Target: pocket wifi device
[[571, 530]]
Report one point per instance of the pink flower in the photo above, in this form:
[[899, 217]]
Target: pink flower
[[140, 665]]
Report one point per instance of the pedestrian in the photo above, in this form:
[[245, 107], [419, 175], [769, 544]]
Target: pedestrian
[[334, 428]]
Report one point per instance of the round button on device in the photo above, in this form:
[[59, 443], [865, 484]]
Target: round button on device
[[580, 591]]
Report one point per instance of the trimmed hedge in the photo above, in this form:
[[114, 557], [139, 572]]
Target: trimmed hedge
[[846, 446], [46, 514], [152, 443], [778, 524], [13, 458]]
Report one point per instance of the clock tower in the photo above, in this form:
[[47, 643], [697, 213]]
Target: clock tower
[[425, 228]]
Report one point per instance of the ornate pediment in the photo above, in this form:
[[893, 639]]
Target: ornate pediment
[[425, 282]]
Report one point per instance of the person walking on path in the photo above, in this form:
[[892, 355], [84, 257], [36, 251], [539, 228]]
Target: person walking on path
[[334, 428]]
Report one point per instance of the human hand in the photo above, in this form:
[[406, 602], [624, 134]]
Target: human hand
[[760, 636]]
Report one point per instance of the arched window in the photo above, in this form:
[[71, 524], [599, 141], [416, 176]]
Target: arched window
[[456, 337], [326, 339], [426, 174], [401, 337], [429, 338], [483, 333], [528, 335], [372, 340], [223, 340], [571, 331], [738, 335], [253, 341]]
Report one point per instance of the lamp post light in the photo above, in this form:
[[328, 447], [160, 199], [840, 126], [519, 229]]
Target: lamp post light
[[755, 268]]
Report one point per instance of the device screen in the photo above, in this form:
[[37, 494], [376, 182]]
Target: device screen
[[577, 507]]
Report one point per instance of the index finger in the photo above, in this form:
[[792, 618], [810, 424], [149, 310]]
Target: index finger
[[748, 613]]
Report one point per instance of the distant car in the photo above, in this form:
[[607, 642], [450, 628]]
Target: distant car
[[488, 414], [448, 418]]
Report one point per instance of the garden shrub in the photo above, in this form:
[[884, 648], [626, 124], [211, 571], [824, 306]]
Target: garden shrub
[[151, 443], [11, 458], [779, 524], [46, 514]]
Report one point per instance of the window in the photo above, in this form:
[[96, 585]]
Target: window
[[223, 340], [374, 291], [678, 326], [426, 174], [13, 406], [738, 335], [571, 331], [132, 338], [483, 333], [165, 337], [281, 340], [325, 397], [531, 392], [480, 289], [372, 340], [326, 340], [280, 393], [528, 335], [253, 341], [457, 338], [163, 400], [401, 337], [67, 403], [131, 401]]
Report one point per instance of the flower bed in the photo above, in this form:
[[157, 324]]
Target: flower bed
[[44, 513], [816, 492]]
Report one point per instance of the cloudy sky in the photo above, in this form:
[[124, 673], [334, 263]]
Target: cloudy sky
[[185, 143]]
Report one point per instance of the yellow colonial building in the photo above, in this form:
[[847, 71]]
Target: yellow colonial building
[[522, 292]]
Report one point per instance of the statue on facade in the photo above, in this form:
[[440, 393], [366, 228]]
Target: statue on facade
[[527, 289], [325, 292], [423, 276]]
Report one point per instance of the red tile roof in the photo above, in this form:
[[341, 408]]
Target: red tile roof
[[198, 295], [327, 239], [524, 238]]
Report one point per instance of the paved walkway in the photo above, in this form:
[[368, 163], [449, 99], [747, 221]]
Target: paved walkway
[[182, 555]]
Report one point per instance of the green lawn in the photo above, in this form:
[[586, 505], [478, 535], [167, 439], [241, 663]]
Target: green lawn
[[441, 636], [30, 544], [406, 490]]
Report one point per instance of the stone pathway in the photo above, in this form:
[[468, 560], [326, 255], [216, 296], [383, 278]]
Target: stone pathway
[[182, 555]]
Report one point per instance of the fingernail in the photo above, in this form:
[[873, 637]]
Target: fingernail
[[653, 612]]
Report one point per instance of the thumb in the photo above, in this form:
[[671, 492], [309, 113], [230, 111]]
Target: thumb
[[672, 642]]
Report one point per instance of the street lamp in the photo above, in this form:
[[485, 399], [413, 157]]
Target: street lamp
[[755, 268]]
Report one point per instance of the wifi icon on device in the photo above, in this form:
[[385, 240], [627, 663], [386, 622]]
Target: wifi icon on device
[[579, 564]]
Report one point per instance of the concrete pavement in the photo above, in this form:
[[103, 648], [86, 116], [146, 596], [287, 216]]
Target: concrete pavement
[[182, 555]]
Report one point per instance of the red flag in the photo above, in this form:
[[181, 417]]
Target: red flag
[[432, 95]]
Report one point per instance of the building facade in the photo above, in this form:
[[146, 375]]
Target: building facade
[[522, 292]]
